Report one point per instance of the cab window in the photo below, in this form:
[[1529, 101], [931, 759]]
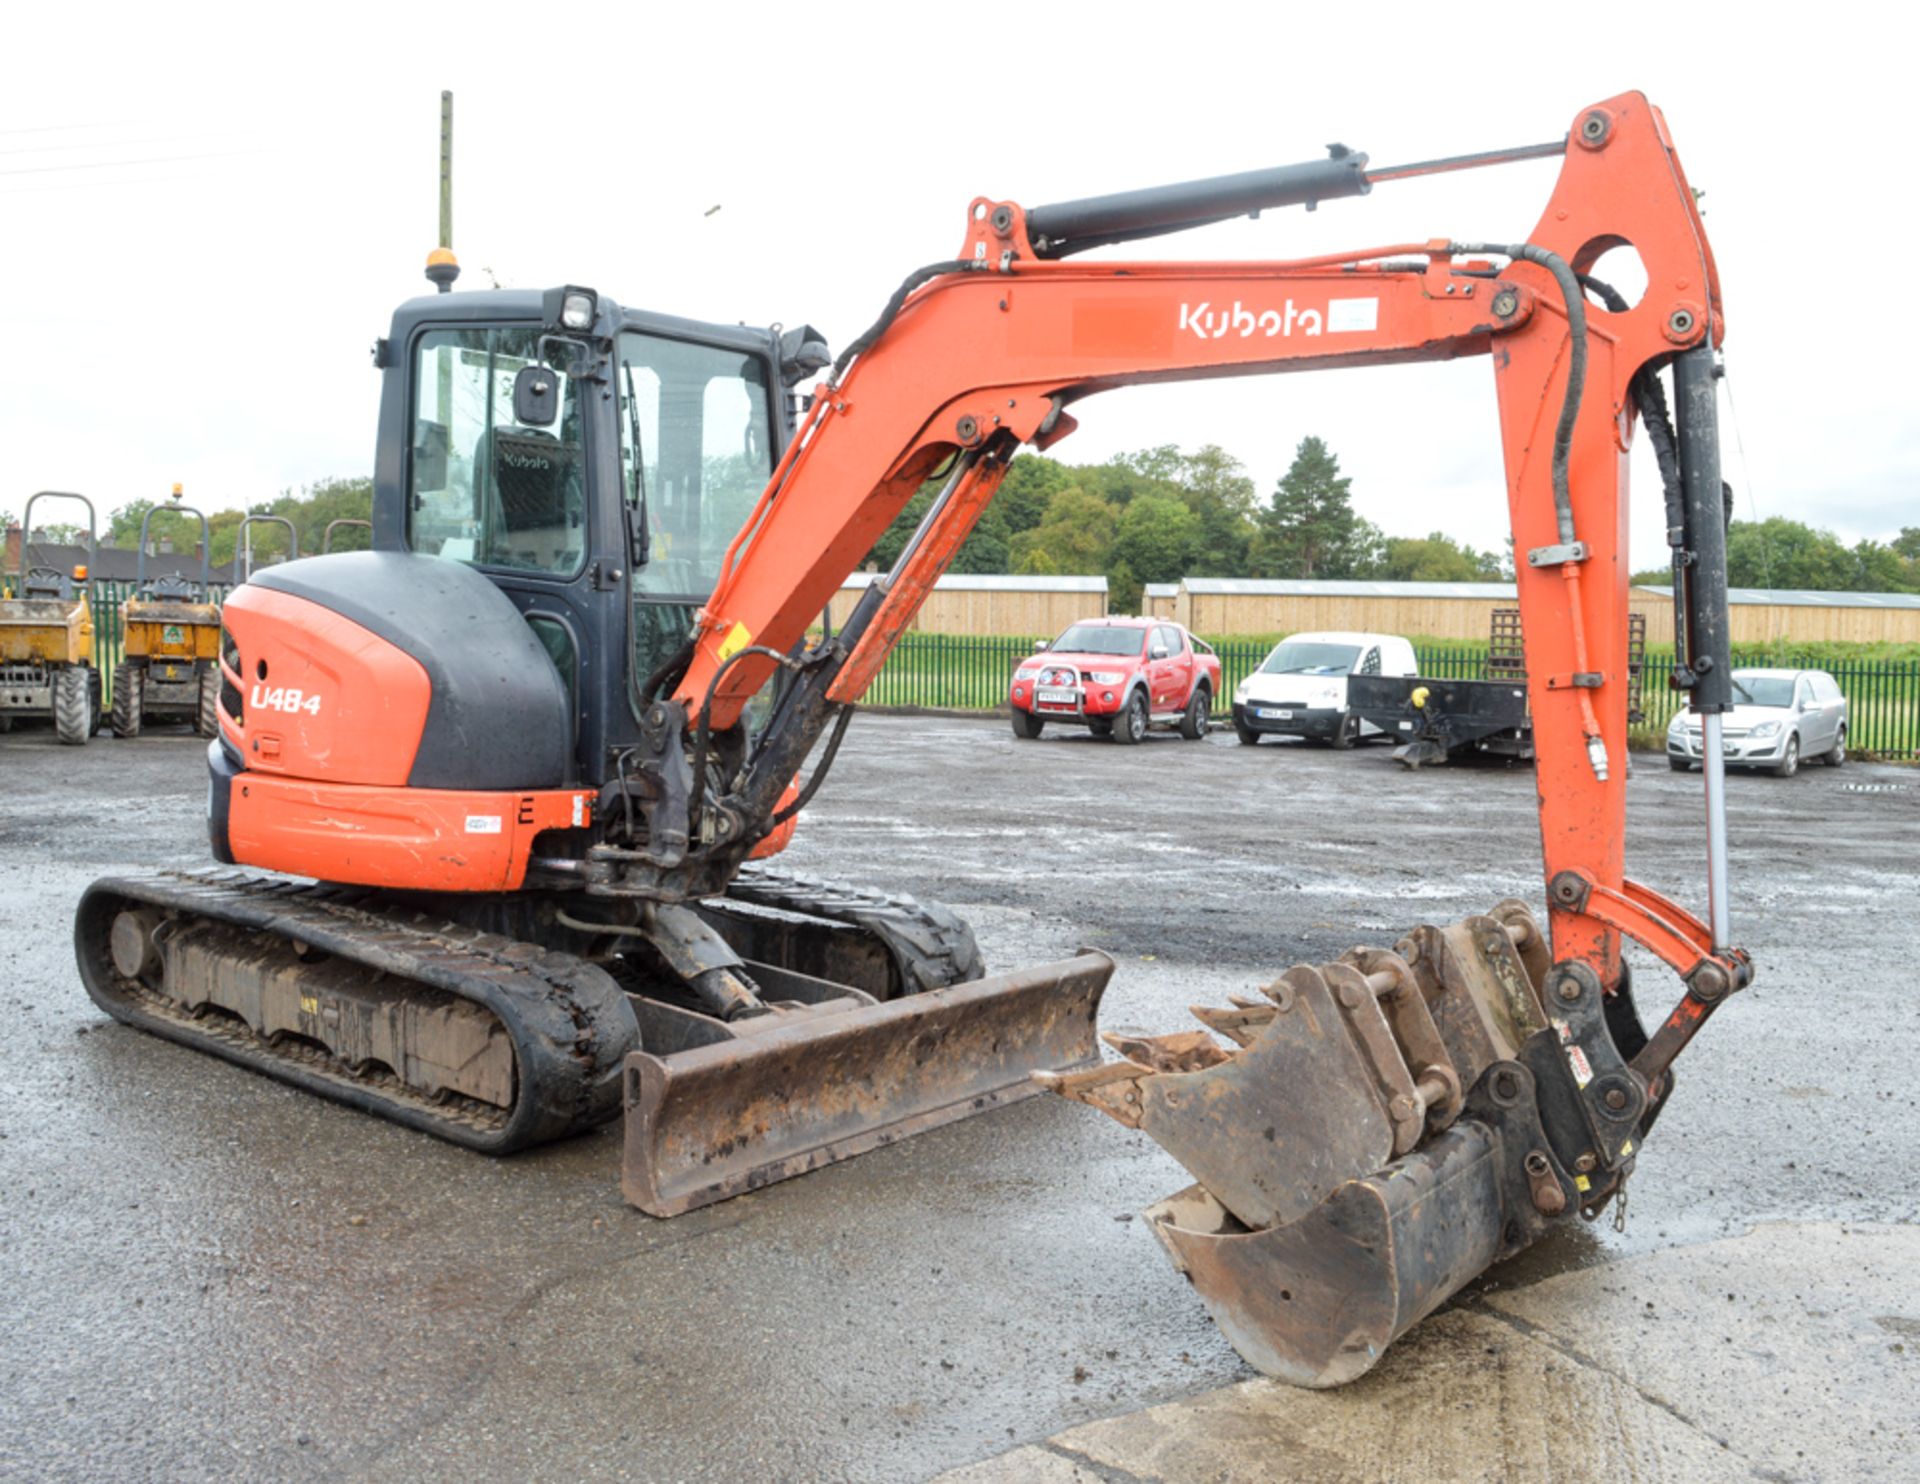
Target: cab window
[[696, 453], [481, 487]]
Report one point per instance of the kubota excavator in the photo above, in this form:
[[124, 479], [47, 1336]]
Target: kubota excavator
[[518, 741]]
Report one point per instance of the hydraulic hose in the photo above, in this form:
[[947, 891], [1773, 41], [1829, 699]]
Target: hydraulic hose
[[1576, 306], [878, 328]]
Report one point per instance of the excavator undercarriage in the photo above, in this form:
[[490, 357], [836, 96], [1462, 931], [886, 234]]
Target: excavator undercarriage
[[539, 1024]]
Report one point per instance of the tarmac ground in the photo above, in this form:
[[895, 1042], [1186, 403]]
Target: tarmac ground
[[210, 1274]]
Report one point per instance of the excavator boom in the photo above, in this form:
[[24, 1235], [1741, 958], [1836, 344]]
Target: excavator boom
[[1347, 1076]]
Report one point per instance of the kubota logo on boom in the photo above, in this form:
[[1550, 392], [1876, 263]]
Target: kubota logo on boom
[[283, 698], [1341, 315]]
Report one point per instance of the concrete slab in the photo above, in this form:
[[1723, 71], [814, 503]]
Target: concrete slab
[[1786, 1354]]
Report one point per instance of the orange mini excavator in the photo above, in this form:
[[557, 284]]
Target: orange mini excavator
[[530, 752]]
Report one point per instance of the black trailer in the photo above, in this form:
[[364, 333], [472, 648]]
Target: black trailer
[[1433, 719]]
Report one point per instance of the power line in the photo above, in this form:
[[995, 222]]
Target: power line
[[122, 164]]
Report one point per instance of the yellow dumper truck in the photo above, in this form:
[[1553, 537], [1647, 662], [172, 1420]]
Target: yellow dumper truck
[[46, 640]]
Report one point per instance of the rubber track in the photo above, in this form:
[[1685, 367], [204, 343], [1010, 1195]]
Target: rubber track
[[570, 1024], [932, 944]]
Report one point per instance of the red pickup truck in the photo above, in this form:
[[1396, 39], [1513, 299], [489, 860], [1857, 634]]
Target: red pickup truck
[[1116, 677]]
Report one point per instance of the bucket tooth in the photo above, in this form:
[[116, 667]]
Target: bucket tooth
[[1240, 1024], [1112, 1087], [1178, 1051]]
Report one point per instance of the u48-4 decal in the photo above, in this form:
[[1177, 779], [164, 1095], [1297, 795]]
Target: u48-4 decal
[[283, 698]]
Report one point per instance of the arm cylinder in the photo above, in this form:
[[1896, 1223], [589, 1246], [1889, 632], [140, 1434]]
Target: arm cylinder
[[1074, 226]]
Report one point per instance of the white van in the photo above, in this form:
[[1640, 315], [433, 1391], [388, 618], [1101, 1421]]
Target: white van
[[1300, 689]]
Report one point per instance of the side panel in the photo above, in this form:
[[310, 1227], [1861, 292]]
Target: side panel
[[408, 839], [320, 697]]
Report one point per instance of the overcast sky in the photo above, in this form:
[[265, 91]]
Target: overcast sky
[[207, 215]]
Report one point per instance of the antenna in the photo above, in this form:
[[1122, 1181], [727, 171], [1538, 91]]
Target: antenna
[[442, 266]]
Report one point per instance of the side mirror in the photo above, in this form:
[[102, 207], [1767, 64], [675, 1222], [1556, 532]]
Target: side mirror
[[1038, 645], [1159, 652], [536, 397]]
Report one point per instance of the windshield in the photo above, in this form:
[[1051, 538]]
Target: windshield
[[1310, 657], [1763, 690], [1091, 638]]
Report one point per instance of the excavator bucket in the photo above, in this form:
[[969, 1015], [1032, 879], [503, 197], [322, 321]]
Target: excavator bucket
[[715, 1110], [1369, 1142]]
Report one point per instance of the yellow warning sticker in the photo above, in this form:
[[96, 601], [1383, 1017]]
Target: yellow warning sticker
[[1582, 1183], [737, 639], [309, 1005], [1627, 1148]]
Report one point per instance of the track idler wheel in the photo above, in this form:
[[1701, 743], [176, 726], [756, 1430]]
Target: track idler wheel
[[1370, 1141]]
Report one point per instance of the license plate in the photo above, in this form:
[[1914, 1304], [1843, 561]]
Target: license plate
[[1267, 713], [1054, 697]]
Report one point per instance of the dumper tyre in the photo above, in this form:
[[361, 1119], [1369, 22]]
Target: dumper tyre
[[1027, 726], [128, 683], [73, 713], [1130, 725], [1193, 722], [208, 720], [96, 703]]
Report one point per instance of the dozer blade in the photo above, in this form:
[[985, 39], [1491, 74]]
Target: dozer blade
[[797, 1091], [1373, 1138]]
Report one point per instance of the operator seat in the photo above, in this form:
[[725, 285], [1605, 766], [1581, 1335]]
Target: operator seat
[[531, 491]]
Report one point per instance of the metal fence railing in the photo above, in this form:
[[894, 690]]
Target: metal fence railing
[[971, 673]]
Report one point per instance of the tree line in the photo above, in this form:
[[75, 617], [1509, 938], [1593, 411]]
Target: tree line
[[1162, 514], [1156, 515], [310, 510]]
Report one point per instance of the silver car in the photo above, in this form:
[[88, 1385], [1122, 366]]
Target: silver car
[[1779, 718]]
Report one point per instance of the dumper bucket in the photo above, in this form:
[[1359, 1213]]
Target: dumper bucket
[[786, 1093], [1373, 1138]]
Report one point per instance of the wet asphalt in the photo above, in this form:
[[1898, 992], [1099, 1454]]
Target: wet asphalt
[[210, 1275]]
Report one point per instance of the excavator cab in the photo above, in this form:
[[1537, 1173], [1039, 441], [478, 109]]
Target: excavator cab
[[596, 476]]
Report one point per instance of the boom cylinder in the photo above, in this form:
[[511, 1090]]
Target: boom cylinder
[[1074, 226]]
